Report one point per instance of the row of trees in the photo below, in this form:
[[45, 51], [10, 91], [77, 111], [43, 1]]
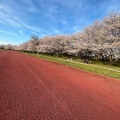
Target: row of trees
[[100, 41]]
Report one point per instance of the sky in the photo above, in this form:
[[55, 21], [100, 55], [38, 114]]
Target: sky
[[20, 19]]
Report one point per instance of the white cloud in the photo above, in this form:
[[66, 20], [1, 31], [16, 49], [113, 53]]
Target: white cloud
[[53, 9], [76, 28], [21, 32], [56, 31], [3, 43], [8, 16], [30, 6], [9, 33], [64, 22], [110, 6], [31, 9]]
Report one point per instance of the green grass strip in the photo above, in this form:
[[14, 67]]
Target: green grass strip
[[82, 66]]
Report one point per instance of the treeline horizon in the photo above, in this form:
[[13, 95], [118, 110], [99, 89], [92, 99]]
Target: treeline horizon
[[99, 41]]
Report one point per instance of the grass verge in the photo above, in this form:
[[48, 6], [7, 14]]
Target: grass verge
[[82, 66]]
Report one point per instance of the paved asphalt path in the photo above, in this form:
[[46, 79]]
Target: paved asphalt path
[[34, 89]]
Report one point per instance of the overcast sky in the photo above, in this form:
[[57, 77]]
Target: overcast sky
[[20, 19]]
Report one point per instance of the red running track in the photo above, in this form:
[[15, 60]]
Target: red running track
[[35, 89]]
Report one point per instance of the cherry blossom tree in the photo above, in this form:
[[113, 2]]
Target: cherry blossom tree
[[100, 41]]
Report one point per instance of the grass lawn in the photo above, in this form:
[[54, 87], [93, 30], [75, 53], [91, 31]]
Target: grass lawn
[[2, 49], [98, 68]]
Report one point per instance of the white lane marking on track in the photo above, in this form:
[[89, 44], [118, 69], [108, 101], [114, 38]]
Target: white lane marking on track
[[64, 108]]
